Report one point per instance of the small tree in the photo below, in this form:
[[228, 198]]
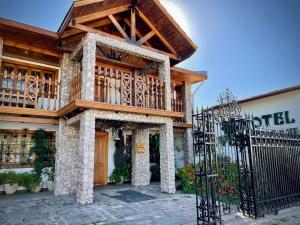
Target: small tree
[[44, 154]]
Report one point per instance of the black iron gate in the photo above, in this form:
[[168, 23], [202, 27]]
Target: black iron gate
[[242, 168]]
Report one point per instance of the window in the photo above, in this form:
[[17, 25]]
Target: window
[[15, 148]]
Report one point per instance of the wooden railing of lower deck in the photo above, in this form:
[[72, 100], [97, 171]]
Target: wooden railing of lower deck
[[27, 90], [76, 84]]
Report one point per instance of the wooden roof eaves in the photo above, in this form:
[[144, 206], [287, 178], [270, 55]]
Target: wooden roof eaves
[[182, 32], [197, 73], [33, 29], [65, 21]]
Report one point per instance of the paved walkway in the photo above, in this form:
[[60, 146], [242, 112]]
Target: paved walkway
[[117, 206]]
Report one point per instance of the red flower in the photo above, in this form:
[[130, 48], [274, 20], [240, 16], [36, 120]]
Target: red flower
[[190, 174]]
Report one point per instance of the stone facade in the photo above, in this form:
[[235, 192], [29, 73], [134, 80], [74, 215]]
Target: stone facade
[[1, 49], [67, 140], [140, 161], [88, 67], [188, 108], [85, 180], [167, 158]]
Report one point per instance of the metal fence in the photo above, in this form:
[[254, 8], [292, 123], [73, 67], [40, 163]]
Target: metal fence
[[239, 167]]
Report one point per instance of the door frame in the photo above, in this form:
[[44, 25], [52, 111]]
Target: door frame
[[105, 135]]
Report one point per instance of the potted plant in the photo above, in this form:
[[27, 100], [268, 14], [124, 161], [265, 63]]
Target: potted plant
[[10, 182], [117, 175], [50, 173], [31, 182]]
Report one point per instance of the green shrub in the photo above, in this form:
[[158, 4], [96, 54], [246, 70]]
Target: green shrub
[[10, 177], [2, 175], [187, 176], [29, 180]]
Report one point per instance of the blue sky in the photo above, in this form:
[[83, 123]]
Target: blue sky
[[248, 46]]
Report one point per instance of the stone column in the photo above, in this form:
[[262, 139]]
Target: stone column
[[67, 73], [140, 161], [88, 67], [188, 138], [167, 158], [164, 74], [67, 140], [85, 180]]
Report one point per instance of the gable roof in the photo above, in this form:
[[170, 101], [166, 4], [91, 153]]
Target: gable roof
[[151, 9], [270, 94]]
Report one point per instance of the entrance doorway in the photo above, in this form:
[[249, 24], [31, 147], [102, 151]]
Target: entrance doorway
[[101, 158]]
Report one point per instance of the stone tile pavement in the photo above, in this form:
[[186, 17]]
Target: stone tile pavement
[[45, 209]]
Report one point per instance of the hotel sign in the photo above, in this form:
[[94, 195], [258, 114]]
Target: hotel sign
[[279, 118]]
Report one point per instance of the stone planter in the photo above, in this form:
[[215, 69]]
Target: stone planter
[[37, 188], [10, 188], [50, 185]]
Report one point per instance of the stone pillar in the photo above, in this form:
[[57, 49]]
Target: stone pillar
[[67, 73], [140, 161], [167, 158], [85, 180], [67, 140], [88, 67], [1, 51], [188, 138], [164, 74]]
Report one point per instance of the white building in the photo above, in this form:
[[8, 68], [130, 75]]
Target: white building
[[280, 108]]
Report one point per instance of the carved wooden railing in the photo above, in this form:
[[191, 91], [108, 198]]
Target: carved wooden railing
[[24, 88], [76, 88], [177, 105], [121, 87]]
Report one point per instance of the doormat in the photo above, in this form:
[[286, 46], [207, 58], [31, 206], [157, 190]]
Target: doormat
[[130, 196]]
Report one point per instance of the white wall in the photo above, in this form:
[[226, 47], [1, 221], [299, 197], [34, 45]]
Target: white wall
[[276, 104]]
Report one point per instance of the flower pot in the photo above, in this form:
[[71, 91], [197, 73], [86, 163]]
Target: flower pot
[[37, 189], [150, 176], [10, 188], [50, 185]]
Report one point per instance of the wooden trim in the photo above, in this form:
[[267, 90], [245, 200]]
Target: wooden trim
[[101, 14], [152, 27], [31, 48], [163, 9], [30, 28], [26, 111], [118, 26], [28, 119], [83, 104], [138, 33], [80, 3], [146, 37], [133, 25], [182, 125]]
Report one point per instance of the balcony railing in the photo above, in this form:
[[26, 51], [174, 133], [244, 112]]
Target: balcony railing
[[122, 87], [24, 88]]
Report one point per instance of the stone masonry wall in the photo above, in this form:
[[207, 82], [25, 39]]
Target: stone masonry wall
[[67, 140], [167, 158], [188, 138], [1, 50], [88, 67], [85, 180], [140, 161]]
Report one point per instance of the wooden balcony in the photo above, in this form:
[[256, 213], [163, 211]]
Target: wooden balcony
[[121, 90], [25, 90]]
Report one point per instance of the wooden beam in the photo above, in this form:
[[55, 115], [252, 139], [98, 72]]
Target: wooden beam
[[31, 48], [28, 119], [131, 109], [92, 30], [102, 14], [138, 33], [103, 22], [146, 37], [79, 3], [152, 27], [133, 25], [182, 125], [118, 26], [26, 111]]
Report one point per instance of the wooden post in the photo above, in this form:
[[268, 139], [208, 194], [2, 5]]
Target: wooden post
[[133, 25]]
